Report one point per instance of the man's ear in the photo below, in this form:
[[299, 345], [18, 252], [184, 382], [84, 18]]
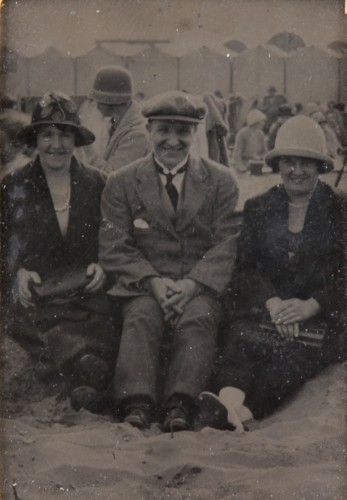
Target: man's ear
[[149, 126]]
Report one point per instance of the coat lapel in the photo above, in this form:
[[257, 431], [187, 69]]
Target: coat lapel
[[78, 204], [148, 190], [44, 204], [194, 193]]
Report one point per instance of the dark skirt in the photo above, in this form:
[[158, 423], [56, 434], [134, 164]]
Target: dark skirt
[[266, 366], [63, 331]]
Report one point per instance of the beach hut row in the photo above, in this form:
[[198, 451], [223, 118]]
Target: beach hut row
[[307, 74]]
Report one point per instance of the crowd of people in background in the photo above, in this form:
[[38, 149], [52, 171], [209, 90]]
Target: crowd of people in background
[[237, 131]]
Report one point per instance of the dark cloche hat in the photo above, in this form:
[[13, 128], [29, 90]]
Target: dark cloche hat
[[57, 108], [112, 85], [175, 105]]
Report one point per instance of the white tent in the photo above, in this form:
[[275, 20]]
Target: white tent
[[47, 71], [257, 69], [204, 70], [312, 75], [342, 97], [86, 67], [153, 71]]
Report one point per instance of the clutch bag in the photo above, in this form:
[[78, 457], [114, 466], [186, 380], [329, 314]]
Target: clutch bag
[[311, 336], [62, 283]]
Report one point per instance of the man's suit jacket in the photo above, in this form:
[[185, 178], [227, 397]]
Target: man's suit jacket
[[141, 235]]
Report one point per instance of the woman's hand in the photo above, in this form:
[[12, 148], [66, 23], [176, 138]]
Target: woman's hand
[[24, 279], [275, 305], [288, 331], [296, 310], [98, 278]]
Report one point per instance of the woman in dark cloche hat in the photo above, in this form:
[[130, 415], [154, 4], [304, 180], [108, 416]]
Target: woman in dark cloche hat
[[54, 296]]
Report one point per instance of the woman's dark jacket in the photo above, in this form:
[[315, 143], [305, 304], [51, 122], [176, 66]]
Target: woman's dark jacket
[[31, 237], [266, 268]]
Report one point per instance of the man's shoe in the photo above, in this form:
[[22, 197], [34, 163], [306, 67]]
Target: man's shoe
[[139, 417], [88, 398], [176, 420]]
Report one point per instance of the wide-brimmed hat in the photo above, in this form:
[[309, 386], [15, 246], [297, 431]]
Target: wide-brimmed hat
[[112, 85], [254, 116], [57, 108], [175, 105], [300, 136]]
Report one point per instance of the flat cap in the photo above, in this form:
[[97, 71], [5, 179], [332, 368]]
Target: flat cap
[[175, 105]]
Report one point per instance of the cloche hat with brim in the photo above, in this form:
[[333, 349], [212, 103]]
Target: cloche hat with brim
[[254, 116], [112, 85], [303, 137], [57, 108]]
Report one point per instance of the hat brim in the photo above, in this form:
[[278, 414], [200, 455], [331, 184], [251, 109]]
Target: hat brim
[[272, 156], [175, 118], [84, 136], [109, 98]]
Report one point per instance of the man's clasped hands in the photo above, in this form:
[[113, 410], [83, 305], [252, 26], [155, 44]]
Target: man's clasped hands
[[172, 295]]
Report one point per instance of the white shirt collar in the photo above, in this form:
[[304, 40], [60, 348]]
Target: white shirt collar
[[173, 171]]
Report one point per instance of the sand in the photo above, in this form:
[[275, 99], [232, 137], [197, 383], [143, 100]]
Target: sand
[[52, 451]]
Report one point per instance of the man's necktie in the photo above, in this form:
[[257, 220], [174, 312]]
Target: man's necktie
[[112, 129], [169, 186]]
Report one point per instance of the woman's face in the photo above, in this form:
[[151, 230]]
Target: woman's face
[[299, 175], [55, 146]]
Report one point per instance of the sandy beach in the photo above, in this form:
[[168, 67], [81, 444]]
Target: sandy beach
[[298, 453]]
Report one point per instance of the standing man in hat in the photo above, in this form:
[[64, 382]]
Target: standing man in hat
[[167, 243], [128, 137], [270, 106], [284, 113]]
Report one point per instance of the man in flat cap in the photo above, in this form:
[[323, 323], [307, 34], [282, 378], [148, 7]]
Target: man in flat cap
[[128, 137], [167, 243]]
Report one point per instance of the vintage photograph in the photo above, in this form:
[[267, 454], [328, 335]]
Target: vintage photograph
[[173, 230]]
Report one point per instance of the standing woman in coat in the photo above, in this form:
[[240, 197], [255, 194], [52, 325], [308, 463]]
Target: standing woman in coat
[[289, 279], [50, 222]]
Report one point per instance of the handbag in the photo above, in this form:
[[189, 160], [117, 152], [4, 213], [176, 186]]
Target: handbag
[[312, 336], [67, 282]]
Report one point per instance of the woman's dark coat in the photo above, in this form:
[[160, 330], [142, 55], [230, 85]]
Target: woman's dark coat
[[265, 267]]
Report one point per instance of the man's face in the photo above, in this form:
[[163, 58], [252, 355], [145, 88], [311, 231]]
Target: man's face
[[299, 175], [107, 109], [171, 140]]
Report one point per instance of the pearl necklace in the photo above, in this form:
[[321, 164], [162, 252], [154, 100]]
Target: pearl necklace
[[299, 205], [66, 204]]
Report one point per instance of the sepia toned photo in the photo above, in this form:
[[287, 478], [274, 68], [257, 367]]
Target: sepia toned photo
[[173, 230]]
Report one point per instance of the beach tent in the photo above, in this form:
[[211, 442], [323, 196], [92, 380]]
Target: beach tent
[[205, 70], [153, 71], [255, 70], [49, 70], [342, 97], [312, 75], [86, 66]]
